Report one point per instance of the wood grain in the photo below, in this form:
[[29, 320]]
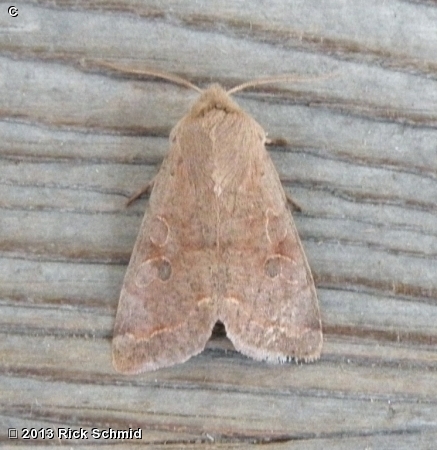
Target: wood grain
[[357, 150]]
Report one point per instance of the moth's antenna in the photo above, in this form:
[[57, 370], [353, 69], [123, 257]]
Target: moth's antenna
[[153, 73], [277, 79]]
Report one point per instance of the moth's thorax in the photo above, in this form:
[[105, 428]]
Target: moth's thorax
[[219, 142]]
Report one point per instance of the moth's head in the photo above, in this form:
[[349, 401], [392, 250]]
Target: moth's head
[[213, 98]]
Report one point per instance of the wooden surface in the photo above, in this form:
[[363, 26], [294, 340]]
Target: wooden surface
[[358, 152]]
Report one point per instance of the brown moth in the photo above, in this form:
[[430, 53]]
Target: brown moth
[[217, 243]]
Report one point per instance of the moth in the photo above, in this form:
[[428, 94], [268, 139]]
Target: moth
[[217, 243]]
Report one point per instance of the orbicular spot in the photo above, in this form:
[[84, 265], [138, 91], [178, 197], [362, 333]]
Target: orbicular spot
[[281, 266], [153, 269], [276, 227], [159, 231]]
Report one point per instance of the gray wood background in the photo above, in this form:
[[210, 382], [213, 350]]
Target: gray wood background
[[358, 152]]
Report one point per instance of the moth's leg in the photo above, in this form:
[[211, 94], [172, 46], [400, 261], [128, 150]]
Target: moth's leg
[[278, 142], [292, 204], [144, 190]]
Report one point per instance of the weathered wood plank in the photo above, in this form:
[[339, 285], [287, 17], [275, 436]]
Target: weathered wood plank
[[208, 394], [356, 150]]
